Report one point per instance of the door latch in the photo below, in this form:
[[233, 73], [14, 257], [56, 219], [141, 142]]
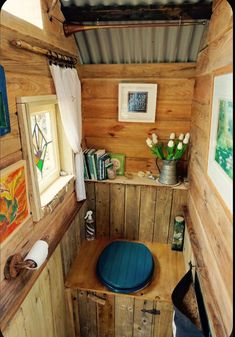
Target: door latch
[[151, 311]]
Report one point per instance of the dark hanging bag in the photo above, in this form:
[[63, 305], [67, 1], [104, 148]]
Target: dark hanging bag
[[189, 319]]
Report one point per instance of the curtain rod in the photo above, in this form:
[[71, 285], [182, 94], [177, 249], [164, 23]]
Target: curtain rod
[[71, 28], [52, 55]]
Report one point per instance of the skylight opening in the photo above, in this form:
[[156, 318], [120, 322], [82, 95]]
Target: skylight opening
[[27, 10]]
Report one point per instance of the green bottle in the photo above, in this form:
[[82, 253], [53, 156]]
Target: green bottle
[[178, 234]]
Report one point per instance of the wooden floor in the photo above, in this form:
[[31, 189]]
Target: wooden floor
[[169, 269]]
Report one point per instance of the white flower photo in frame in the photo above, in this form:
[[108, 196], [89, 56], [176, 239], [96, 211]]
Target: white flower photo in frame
[[220, 158], [137, 102]]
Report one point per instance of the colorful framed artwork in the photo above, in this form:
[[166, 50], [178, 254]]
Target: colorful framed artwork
[[4, 112], [220, 158], [137, 102], [118, 160], [14, 203]]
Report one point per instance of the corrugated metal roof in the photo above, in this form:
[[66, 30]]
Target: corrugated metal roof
[[138, 45]]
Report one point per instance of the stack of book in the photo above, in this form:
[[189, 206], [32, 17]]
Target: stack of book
[[96, 163]]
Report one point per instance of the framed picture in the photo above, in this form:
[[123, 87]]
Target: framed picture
[[137, 102], [220, 158], [118, 161], [4, 112], [14, 204]]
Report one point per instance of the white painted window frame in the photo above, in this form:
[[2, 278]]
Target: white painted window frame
[[44, 199]]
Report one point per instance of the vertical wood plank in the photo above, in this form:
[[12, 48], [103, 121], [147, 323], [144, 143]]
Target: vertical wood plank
[[124, 311], [69, 247], [105, 317], [147, 212], [74, 295], [77, 230], [187, 250], [117, 210], [90, 194], [87, 315], [179, 200], [92, 314], [142, 321], [70, 321], [102, 209], [83, 313], [16, 326], [163, 322], [81, 216], [56, 282], [132, 210], [162, 215], [66, 253], [39, 321]]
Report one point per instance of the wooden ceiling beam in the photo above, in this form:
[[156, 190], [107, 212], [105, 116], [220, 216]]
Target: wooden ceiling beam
[[139, 13]]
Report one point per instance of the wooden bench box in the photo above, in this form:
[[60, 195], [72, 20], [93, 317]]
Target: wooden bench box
[[96, 311]]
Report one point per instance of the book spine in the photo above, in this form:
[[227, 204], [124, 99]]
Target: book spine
[[97, 165], [99, 168], [90, 165], [102, 170], [85, 168], [86, 161], [94, 166]]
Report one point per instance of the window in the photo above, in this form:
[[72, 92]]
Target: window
[[27, 10], [47, 151], [45, 144]]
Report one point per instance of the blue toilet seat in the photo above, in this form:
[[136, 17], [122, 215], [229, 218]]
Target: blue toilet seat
[[125, 267]]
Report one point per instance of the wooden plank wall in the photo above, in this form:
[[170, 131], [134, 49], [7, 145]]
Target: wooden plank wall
[[135, 212], [100, 108], [212, 221], [44, 311], [27, 74], [120, 316]]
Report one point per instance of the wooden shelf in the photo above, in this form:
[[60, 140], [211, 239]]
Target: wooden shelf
[[136, 180], [169, 269]]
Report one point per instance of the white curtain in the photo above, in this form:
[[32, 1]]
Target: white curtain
[[68, 91]]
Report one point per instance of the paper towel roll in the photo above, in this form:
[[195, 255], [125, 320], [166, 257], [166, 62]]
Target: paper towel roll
[[38, 253]]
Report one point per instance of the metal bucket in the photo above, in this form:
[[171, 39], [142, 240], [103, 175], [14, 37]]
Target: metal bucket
[[168, 173]]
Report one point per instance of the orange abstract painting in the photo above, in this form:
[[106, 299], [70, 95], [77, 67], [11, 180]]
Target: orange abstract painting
[[14, 206]]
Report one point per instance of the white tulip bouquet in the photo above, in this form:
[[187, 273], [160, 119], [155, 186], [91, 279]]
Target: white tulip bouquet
[[174, 149]]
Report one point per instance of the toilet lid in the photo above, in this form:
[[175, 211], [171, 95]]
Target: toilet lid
[[125, 267]]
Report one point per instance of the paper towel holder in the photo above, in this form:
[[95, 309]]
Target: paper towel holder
[[15, 264]]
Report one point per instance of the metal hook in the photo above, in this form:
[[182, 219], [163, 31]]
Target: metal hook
[[191, 266]]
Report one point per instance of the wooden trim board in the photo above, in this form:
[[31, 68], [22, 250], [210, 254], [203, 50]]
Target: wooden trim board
[[142, 181]]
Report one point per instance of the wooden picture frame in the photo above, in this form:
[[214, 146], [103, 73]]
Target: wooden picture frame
[[14, 209], [220, 156], [4, 111], [118, 160], [137, 102]]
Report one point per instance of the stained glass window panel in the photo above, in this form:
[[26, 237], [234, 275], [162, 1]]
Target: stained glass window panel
[[44, 145]]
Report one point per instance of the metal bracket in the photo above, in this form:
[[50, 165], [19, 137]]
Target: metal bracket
[[151, 311]]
